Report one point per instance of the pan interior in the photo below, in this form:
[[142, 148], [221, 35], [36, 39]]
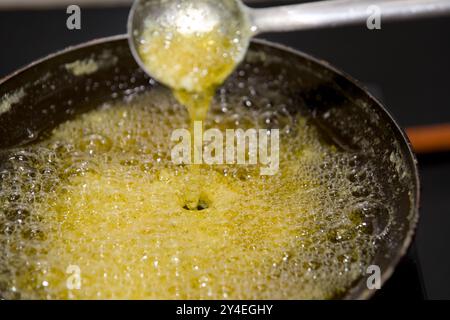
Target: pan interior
[[88, 186]]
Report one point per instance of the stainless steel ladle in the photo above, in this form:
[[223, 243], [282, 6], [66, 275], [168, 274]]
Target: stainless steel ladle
[[233, 16]]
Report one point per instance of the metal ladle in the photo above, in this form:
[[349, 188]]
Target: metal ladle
[[232, 16]]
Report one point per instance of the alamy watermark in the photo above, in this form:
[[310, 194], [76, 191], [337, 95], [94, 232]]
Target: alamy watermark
[[73, 281], [374, 279], [234, 146], [73, 21], [373, 22]]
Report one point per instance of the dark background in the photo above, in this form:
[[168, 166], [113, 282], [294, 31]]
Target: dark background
[[407, 65]]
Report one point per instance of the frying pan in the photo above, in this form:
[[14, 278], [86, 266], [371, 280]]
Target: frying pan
[[47, 93]]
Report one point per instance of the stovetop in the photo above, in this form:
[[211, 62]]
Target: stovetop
[[405, 64]]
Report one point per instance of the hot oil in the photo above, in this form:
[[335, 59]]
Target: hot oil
[[192, 64], [102, 194]]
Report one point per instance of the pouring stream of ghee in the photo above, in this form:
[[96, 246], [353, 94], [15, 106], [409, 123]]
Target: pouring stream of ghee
[[193, 62]]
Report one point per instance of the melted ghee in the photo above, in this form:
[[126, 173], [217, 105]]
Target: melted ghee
[[101, 194], [192, 63]]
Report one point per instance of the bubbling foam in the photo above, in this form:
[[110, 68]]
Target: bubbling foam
[[102, 194]]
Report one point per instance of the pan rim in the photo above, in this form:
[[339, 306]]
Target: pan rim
[[354, 292]]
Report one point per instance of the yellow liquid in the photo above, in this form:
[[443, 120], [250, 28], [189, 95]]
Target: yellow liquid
[[192, 64], [102, 194]]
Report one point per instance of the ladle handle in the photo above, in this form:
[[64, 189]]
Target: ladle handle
[[334, 13]]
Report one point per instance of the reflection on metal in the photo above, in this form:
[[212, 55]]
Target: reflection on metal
[[46, 4]]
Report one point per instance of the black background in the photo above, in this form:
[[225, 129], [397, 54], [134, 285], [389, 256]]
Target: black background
[[407, 65]]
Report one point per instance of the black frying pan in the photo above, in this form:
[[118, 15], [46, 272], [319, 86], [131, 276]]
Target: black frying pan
[[345, 111]]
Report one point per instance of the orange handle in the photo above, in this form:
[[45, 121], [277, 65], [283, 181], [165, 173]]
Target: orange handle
[[432, 138]]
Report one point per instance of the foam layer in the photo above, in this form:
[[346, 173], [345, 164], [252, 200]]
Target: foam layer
[[101, 193]]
